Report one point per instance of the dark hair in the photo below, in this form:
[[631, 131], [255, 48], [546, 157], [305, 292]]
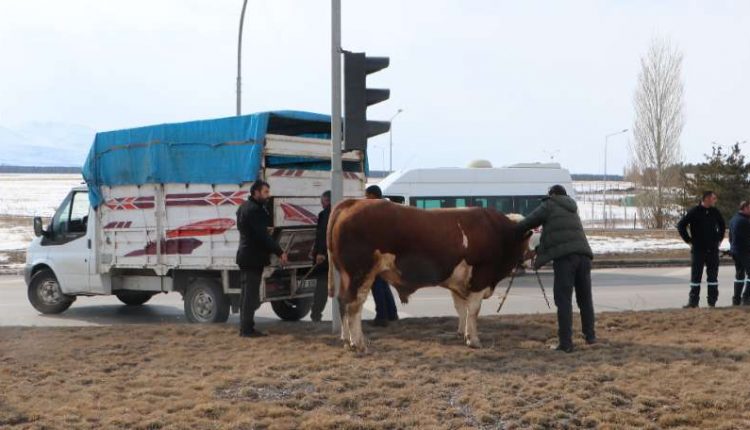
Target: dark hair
[[706, 194], [258, 185], [375, 191], [557, 190], [744, 204], [326, 194]]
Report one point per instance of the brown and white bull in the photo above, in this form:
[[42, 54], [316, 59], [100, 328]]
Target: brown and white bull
[[468, 251]]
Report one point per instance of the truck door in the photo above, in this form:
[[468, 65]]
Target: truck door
[[67, 244]]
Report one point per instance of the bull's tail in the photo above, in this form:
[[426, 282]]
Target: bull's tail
[[331, 245]]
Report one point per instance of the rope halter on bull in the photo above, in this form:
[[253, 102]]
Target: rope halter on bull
[[510, 284]]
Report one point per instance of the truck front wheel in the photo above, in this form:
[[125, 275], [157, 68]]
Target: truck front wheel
[[293, 309], [45, 294], [205, 302]]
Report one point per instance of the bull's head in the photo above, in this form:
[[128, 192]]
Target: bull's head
[[529, 240]]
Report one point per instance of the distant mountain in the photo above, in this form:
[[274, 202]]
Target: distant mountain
[[45, 144]]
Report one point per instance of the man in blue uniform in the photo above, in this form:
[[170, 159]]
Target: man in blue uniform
[[703, 229], [739, 240]]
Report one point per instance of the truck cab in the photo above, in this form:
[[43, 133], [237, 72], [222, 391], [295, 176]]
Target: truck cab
[[61, 255]]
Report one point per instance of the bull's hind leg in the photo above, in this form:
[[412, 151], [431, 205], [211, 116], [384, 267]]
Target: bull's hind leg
[[344, 295], [345, 334], [460, 305], [473, 306]]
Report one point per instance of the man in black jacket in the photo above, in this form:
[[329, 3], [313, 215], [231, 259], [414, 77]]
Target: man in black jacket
[[739, 240], [254, 253], [320, 257], [706, 231]]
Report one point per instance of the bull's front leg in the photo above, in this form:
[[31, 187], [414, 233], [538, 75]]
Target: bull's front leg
[[460, 304], [473, 306]]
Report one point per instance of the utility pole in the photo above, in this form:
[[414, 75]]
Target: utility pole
[[337, 178], [239, 61]]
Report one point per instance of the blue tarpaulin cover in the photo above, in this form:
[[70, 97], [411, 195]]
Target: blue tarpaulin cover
[[215, 151]]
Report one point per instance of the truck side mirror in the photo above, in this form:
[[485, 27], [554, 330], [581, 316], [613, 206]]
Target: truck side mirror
[[38, 226]]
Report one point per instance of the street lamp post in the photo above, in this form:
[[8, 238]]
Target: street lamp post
[[604, 191], [239, 60], [390, 136]]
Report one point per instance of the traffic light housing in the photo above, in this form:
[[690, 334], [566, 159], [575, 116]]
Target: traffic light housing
[[357, 97]]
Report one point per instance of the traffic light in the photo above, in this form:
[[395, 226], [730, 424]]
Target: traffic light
[[357, 129]]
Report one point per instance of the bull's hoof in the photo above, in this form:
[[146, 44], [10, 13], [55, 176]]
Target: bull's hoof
[[475, 344], [359, 349]]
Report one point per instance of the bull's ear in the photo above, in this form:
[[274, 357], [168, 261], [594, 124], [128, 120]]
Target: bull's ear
[[528, 234]]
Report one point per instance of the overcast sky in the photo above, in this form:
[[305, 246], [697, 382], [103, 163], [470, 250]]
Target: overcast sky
[[508, 81]]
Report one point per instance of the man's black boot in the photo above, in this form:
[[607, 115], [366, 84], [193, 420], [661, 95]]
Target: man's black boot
[[693, 298], [564, 348], [737, 297]]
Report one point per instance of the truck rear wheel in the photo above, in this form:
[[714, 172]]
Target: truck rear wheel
[[205, 302], [134, 298], [292, 309], [45, 294]]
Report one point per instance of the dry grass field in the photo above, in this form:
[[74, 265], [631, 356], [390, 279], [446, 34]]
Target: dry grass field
[[668, 369]]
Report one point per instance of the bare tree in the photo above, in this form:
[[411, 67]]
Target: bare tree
[[658, 125]]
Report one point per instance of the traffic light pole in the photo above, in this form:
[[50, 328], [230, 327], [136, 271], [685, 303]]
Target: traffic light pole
[[337, 178]]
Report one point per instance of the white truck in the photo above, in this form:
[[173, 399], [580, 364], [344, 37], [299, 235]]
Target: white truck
[[158, 214]]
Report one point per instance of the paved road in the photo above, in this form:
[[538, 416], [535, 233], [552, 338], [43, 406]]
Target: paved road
[[614, 290]]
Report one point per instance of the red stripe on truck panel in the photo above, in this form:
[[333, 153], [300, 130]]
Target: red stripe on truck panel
[[202, 228]]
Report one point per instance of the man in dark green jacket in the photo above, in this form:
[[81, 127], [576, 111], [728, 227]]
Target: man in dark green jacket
[[564, 243]]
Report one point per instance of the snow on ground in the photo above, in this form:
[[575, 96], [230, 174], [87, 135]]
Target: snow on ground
[[34, 194], [598, 186], [15, 237], [592, 213], [628, 245]]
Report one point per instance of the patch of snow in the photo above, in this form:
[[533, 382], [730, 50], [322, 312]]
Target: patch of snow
[[15, 238], [34, 194], [626, 245]]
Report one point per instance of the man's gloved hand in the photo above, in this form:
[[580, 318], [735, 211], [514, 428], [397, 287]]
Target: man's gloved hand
[[520, 232]]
